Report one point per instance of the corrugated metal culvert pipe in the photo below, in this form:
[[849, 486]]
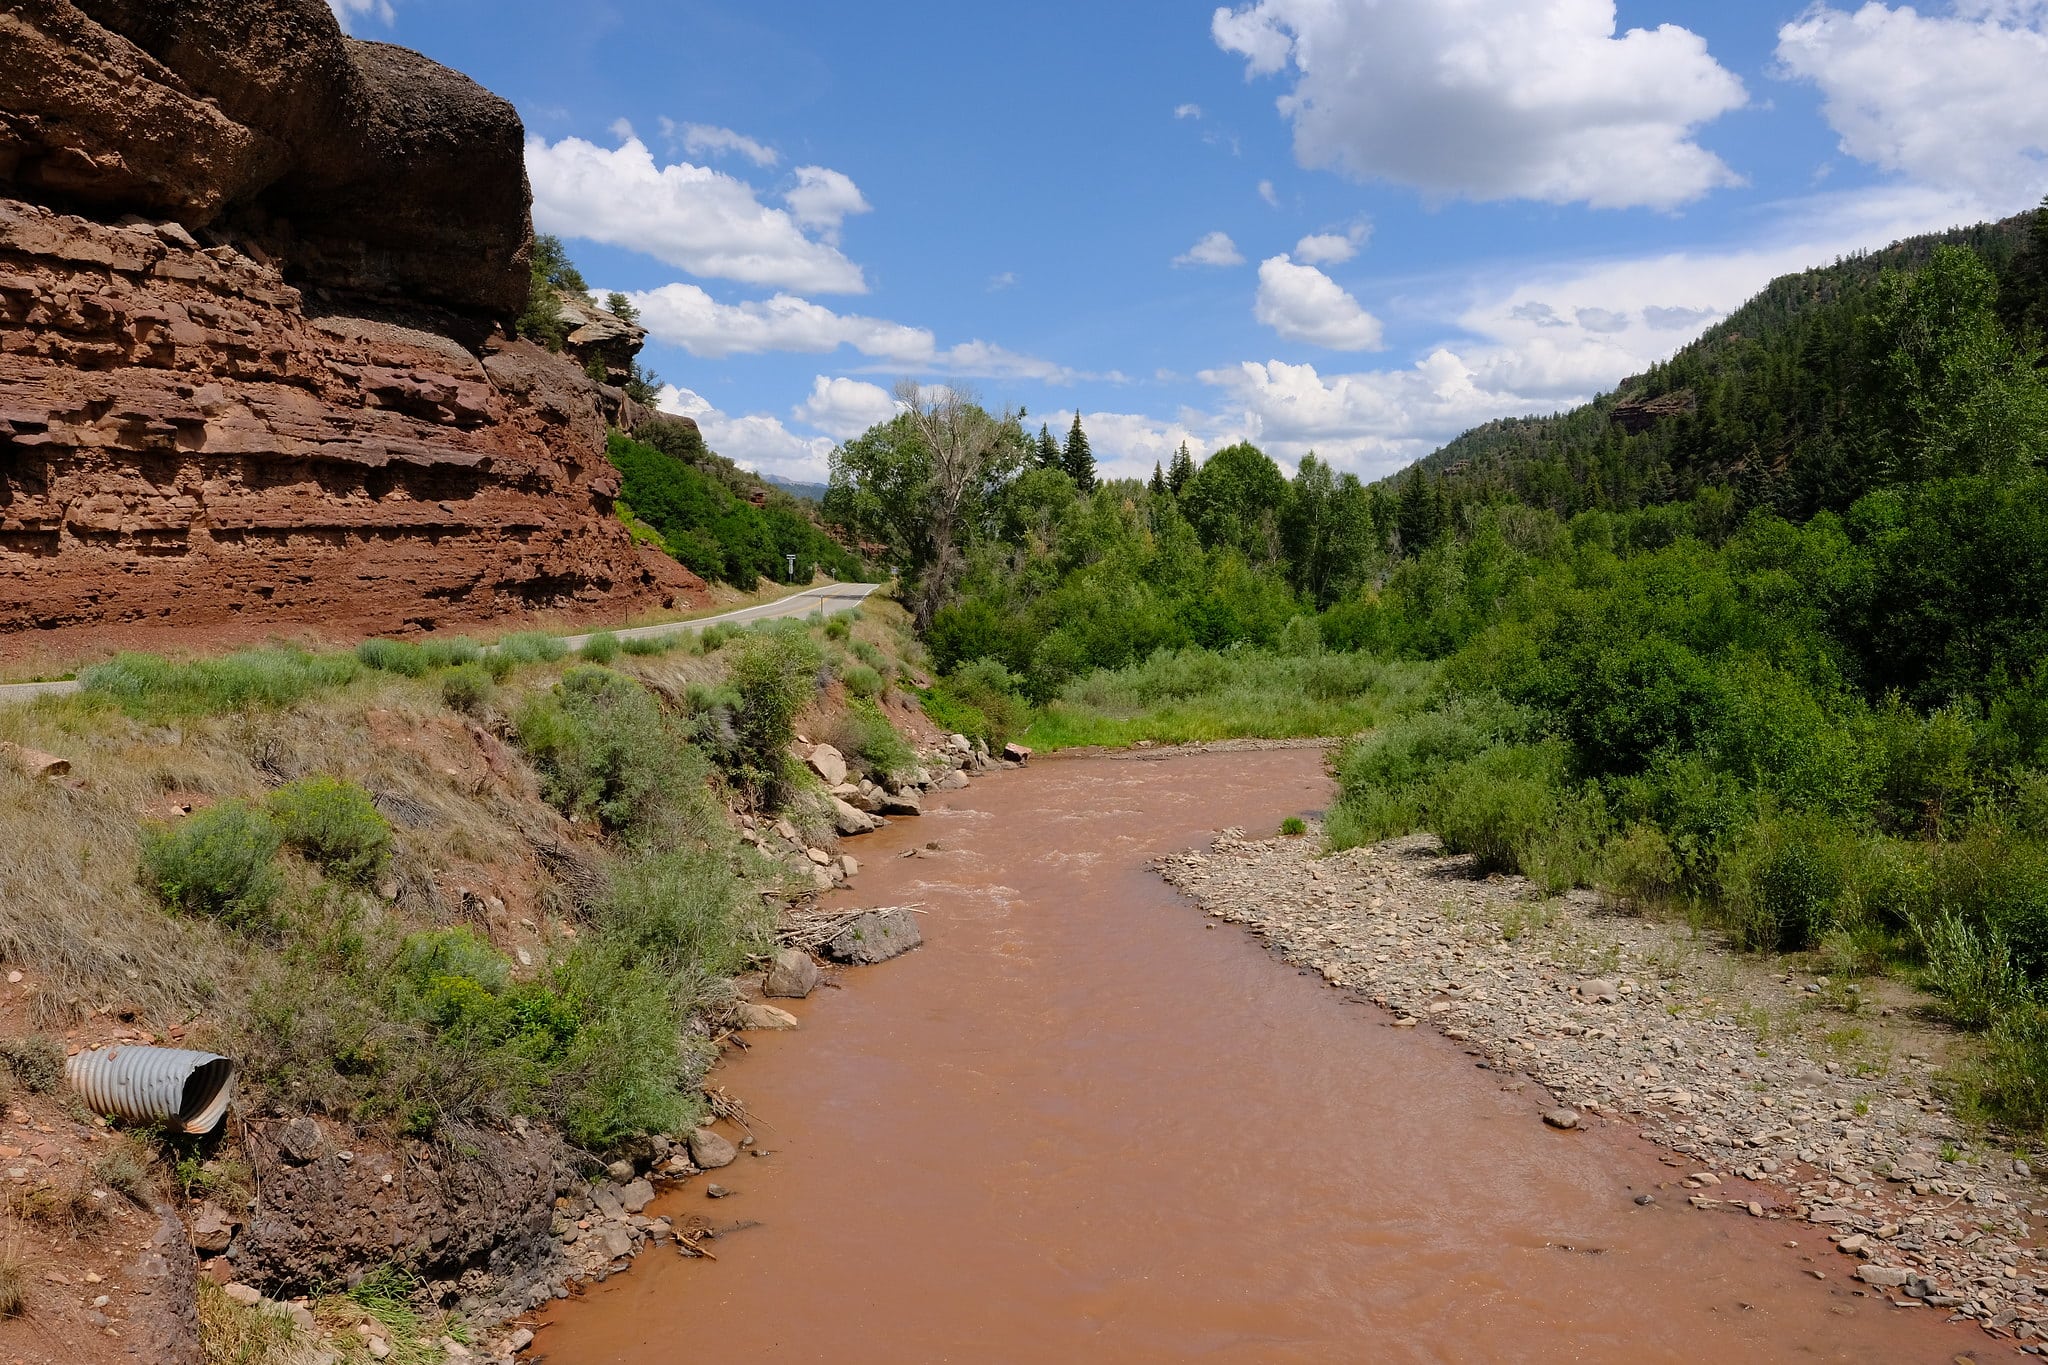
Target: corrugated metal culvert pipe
[[154, 1085]]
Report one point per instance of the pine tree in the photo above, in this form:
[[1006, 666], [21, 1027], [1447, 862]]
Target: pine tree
[[1180, 470], [1158, 485], [1048, 449], [1079, 460]]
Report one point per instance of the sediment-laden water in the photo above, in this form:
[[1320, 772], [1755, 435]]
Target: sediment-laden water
[[1083, 1124]]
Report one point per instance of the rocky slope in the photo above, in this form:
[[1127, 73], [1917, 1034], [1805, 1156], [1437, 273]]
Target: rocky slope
[[254, 371]]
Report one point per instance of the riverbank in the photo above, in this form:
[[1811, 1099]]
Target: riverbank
[[1777, 1096]]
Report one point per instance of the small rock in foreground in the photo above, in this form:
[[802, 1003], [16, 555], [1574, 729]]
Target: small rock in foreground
[[1561, 1118], [793, 976], [709, 1150]]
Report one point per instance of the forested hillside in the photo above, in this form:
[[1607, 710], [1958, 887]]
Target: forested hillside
[[1779, 653], [1787, 401]]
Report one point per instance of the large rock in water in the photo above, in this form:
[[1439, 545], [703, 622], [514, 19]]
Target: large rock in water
[[274, 399], [365, 168], [875, 937]]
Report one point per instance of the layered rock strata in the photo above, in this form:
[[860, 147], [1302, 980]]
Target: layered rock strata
[[181, 445], [254, 373]]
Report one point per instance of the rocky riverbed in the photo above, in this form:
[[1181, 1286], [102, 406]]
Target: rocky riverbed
[[1778, 1095]]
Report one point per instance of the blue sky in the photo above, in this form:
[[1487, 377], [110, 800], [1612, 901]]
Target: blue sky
[[1352, 226]]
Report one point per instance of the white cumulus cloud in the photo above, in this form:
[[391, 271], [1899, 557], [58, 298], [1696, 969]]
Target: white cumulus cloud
[[685, 315], [1187, 111], [758, 441], [844, 408], [1215, 248], [705, 139], [1301, 303], [1331, 248], [823, 199], [701, 220], [1534, 99], [1958, 101]]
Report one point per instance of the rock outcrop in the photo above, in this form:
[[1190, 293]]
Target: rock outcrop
[[366, 169], [253, 373]]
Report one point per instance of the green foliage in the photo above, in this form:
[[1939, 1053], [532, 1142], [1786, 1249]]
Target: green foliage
[[468, 688], [219, 862], [704, 522], [333, 823], [149, 687], [1293, 826], [551, 271], [530, 647], [773, 674], [607, 752], [600, 648], [394, 656], [871, 745], [861, 681]]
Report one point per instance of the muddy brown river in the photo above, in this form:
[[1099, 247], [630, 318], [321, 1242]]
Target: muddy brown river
[[1080, 1125]]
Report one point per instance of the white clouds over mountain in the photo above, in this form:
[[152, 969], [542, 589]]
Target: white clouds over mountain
[[1534, 99], [1958, 101], [1301, 303], [698, 219]]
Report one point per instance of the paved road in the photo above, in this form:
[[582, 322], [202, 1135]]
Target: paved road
[[831, 599]]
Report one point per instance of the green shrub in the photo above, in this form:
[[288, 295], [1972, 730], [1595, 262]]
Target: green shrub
[[1788, 881], [862, 681], [335, 824], [867, 653], [152, 688], [714, 637], [1971, 970], [600, 648], [684, 912], [838, 628], [1640, 866], [2013, 1080], [35, 1060], [402, 657], [219, 862], [647, 646], [468, 688], [1293, 826], [631, 1064], [531, 647], [872, 746], [774, 674], [607, 753], [450, 651]]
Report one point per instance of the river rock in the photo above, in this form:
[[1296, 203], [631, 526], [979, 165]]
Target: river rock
[[709, 1150], [848, 818], [615, 1242], [1017, 753], [793, 976], [1599, 992], [245, 1294], [952, 781], [875, 937], [754, 1015], [637, 1196], [1884, 1276], [829, 764], [1561, 1118], [905, 802], [959, 744]]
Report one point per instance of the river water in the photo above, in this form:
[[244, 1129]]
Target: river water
[[1082, 1125]]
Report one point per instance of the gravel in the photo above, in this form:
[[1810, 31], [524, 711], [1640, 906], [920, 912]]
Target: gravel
[[1782, 1098]]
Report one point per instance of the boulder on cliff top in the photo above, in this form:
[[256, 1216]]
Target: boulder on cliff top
[[364, 168]]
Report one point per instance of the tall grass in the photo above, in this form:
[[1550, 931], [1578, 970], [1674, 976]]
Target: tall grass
[[150, 687]]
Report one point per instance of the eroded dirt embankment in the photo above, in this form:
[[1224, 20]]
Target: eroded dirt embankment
[[1082, 1124]]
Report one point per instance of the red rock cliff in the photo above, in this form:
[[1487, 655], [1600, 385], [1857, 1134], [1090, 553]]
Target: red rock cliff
[[202, 437]]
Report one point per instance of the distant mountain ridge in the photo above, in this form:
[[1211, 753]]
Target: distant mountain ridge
[[814, 491], [1759, 396]]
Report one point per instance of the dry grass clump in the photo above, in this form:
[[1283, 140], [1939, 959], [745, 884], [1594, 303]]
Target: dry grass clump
[[37, 1061], [15, 1278], [235, 1334], [126, 1170], [64, 1206]]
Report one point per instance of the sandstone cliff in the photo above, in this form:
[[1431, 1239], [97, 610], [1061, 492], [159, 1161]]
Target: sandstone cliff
[[253, 372]]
